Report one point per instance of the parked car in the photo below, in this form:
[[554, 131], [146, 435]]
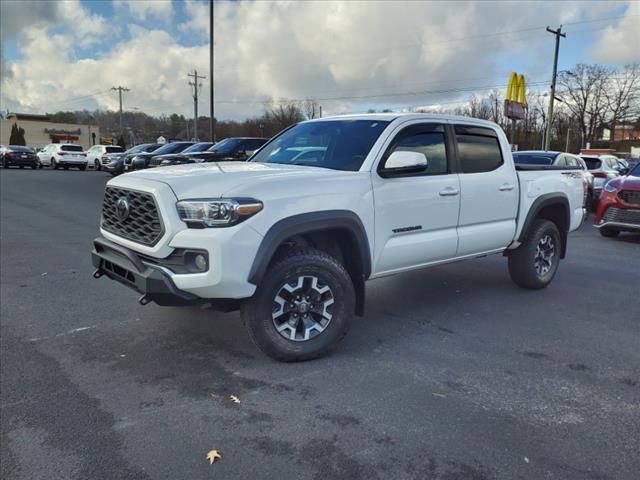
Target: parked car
[[114, 163], [141, 160], [181, 157], [20, 156], [63, 155], [603, 168], [97, 153], [619, 205], [562, 160], [292, 242], [2, 150], [238, 149]]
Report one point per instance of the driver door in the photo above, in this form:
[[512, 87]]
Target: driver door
[[416, 214]]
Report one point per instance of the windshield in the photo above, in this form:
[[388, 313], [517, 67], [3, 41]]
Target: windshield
[[225, 146], [198, 147], [71, 148], [335, 144], [172, 148], [533, 159]]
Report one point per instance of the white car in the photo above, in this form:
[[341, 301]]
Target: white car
[[96, 153], [603, 168], [65, 155], [292, 242]]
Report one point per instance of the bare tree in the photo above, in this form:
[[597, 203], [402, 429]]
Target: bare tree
[[623, 96], [584, 93], [310, 108]]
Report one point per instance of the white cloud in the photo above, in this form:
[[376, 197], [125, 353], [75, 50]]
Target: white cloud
[[142, 10], [341, 53], [620, 43]]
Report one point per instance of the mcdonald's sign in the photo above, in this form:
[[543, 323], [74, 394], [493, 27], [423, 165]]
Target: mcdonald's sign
[[515, 103]]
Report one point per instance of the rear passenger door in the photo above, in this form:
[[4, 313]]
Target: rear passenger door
[[489, 191]]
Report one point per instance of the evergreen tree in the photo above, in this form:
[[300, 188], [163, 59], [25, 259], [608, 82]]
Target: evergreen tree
[[14, 134], [20, 140]]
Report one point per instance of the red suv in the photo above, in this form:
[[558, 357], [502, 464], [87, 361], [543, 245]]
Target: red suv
[[619, 205]]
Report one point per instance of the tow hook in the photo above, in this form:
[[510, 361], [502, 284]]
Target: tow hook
[[143, 300], [97, 274]]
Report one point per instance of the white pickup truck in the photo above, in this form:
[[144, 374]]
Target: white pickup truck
[[291, 236]]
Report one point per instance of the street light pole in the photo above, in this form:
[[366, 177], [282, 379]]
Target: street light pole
[[558, 33], [212, 134]]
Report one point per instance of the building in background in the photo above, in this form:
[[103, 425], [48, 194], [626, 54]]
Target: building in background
[[39, 131]]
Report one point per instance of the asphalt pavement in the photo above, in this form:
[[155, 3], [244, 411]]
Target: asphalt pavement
[[453, 373]]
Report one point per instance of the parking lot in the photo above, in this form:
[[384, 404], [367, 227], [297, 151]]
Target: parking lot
[[453, 373]]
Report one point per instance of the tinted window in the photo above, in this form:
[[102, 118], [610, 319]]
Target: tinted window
[[71, 148], [19, 148], [172, 148], [114, 149], [253, 145], [592, 163], [478, 153], [532, 158], [431, 145], [346, 143], [227, 145], [198, 147]]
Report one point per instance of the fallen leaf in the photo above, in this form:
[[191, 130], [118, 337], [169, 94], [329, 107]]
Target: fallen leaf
[[213, 455], [439, 395], [526, 459], [234, 399], [215, 396], [122, 355], [43, 274]]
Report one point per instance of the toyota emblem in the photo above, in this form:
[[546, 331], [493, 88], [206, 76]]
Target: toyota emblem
[[122, 208]]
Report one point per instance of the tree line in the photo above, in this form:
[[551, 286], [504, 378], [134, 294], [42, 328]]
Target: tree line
[[589, 98]]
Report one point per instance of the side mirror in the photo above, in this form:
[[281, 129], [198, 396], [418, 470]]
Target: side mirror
[[403, 162]]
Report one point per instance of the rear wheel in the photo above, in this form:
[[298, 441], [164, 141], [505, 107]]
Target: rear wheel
[[535, 262], [34, 166], [66, 167], [82, 167], [302, 307], [96, 164], [21, 166], [54, 165], [609, 232]]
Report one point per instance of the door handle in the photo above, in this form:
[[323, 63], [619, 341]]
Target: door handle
[[449, 192], [506, 187]]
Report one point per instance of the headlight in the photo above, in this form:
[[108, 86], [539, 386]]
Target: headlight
[[610, 188], [218, 212]]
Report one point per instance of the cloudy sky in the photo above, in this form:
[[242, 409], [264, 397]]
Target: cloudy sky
[[349, 55]]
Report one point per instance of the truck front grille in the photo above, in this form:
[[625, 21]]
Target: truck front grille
[[132, 215], [622, 215], [629, 196]]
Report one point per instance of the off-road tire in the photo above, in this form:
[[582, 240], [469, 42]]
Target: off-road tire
[[522, 261], [258, 310], [609, 232]]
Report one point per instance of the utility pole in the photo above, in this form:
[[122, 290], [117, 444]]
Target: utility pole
[[195, 86], [212, 134], [120, 89], [558, 33]]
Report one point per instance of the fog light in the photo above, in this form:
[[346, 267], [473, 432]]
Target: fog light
[[200, 262]]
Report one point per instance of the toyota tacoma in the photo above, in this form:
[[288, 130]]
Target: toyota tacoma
[[291, 236]]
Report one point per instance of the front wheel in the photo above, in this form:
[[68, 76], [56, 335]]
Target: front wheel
[[609, 232], [535, 262], [302, 308], [96, 164]]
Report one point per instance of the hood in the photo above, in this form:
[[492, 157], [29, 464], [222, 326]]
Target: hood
[[212, 180], [626, 183]]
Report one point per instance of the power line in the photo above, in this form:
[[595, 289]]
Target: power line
[[558, 33]]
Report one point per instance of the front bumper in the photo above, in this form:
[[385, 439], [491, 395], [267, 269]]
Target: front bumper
[[126, 267]]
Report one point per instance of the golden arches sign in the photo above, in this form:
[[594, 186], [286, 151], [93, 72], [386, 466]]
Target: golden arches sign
[[515, 102]]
